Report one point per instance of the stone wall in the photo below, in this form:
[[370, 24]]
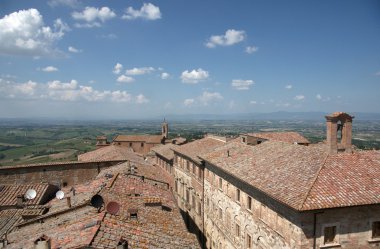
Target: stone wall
[[60, 174]]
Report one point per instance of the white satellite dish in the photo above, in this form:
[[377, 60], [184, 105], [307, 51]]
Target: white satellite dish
[[30, 194], [59, 195]]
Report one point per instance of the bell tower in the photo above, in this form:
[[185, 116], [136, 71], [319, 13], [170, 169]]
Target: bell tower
[[165, 129], [339, 132]]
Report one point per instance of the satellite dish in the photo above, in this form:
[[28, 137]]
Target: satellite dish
[[30, 194], [60, 194], [97, 201], [113, 207]]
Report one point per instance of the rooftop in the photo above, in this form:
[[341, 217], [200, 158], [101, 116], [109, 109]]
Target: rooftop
[[198, 147], [301, 177], [111, 152], [166, 150], [153, 139], [289, 137]]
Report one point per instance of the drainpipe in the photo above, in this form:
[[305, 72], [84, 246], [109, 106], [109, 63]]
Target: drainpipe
[[315, 229]]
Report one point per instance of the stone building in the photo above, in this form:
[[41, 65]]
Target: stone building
[[283, 195], [188, 175]]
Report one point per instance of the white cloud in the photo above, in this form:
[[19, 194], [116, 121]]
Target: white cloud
[[288, 87], [208, 97], [299, 97], [27, 88], [24, 33], [251, 49], [253, 102], [188, 102], [58, 85], [147, 12], [65, 91], [242, 84], [165, 76], [125, 79], [141, 99], [68, 3], [49, 69], [74, 50], [319, 97], [231, 37], [91, 17], [139, 70], [194, 76], [117, 68]]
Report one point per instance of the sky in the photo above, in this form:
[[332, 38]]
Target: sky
[[139, 59]]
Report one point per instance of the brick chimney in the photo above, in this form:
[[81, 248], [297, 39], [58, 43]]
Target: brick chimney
[[339, 132]]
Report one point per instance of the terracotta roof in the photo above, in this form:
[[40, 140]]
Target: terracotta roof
[[346, 180], [8, 219], [165, 151], [9, 193], [289, 137], [153, 139], [111, 152], [198, 147], [159, 224], [303, 177], [52, 164]]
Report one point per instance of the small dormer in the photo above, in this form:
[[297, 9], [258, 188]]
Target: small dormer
[[250, 140], [339, 132]]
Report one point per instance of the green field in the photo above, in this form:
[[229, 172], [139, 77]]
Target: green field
[[36, 142]]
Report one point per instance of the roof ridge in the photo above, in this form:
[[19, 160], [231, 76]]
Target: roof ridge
[[312, 184]]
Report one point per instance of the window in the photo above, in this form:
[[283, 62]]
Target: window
[[238, 195], [207, 202], [249, 241], [237, 230], [199, 208], [130, 144], [187, 196], [220, 183], [176, 186], [194, 169], [193, 201], [376, 230], [220, 213], [187, 166], [142, 144], [249, 203], [199, 173], [329, 234]]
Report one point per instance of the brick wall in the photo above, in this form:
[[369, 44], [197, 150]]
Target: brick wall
[[68, 173]]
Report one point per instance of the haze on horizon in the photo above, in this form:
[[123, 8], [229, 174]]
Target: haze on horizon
[[133, 59]]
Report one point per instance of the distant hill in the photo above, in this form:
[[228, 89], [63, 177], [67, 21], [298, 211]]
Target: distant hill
[[281, 115]]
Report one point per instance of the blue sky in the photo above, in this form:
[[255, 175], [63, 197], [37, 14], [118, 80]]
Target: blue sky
[[132, 59]]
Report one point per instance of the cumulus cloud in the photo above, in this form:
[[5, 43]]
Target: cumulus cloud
[[253, 102], [117, 68], [299, 97], [147, 12], [251, 49], [74, 50], [164, 76], [49, 69], [125, 79], [139, 70], [288, 87], [319, 97], [65, 91], [188, 102], [58, 85], [242, 84], [92, 17], [68, 3], [208, 97], [231, 37], [141, 99], [24, 33], [194, 76]]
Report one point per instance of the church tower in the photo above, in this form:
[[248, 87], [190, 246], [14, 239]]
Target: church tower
[[165, 129]]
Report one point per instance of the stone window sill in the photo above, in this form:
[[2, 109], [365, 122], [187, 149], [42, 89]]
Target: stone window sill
[[332, 245], [374, 240]]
